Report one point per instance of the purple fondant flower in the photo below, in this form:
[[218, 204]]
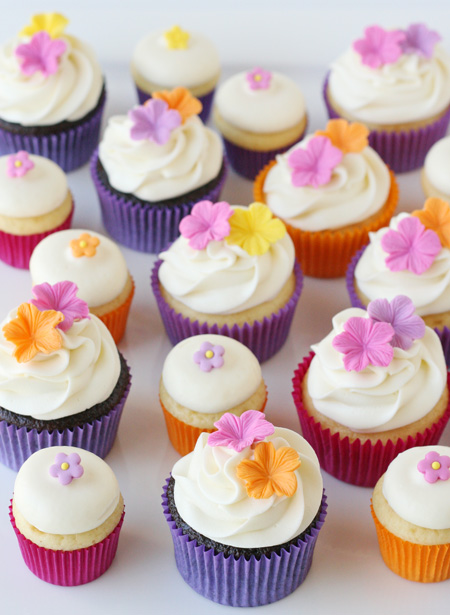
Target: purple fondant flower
[[314, 165], [154, 121], [400, 314], [435, 467], [259, 79], [379, 46], [364, 342], [19, 164], [411, 246], [66, 468], [420, 40], [207, 222], [40, 54], [238, 432], [209, 356], [61, 297]]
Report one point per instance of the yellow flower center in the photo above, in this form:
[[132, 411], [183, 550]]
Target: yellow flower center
[[64, 466], [209, 354], [83, 243], [435, 465], [257, 78], [17, 163]]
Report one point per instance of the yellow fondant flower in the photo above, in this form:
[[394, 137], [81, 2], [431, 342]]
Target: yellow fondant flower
[[435, 216], [181, 100], [176, 38], [254, 229], [53, 23], [348, 137], [85, 245]]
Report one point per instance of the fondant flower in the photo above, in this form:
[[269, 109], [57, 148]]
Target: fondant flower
[[209, 356], [259, 79], [53, 23], [436, 216], [181, 100], [314, 165], [61, 297], [379, 46], [364, 342], [271, 471], [19, 164], [346, 136], [40, 54], [420, 40], [85, 245], [238, 432], [66, 468], [255, 229], [411, 246], [435, 467], [176, 38], [400, 314], [154, 121], [207, 222], [33, 331]]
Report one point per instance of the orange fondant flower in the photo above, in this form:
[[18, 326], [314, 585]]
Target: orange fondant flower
[[33, 331], [181, 100], [349, 138], [272, 471], [435, 216], [85, 245]]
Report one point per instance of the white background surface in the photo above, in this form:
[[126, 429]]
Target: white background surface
[[348, 575]]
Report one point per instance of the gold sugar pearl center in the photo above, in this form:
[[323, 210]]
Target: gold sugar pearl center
[[257, 77], [18, 163], [209, 354], [64, 466], [83, 243], [435, 465]]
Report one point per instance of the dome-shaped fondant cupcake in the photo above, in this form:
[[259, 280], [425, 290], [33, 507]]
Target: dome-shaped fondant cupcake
[[434, 176]]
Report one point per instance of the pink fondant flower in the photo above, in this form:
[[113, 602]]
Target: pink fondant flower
[[60, 297], [314, 165], [238, 432], [40, 54], [209, 356], [411, 246], [66, 468], [259, 79], [435, 467], [379, 46], [154, 121], [364, 342], [420, 40], [19, 164], [207, 222], [400, 313]]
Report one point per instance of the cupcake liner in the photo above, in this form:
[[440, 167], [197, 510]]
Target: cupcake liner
[[403, 150], [116, 320], [415, 562], [357, 463], [206, 101], [264, 338], [239, 581], [326, 254], [68, 568], [147, 227]]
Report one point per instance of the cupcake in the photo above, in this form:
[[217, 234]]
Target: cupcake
[[410, 507], [67, 512], [52, 93], [398, 84], [232, 272], [259, 114], [434, 176], [375, 386], [96, 265], [244, 510], [152, 166], [330, 190], [203, 377], [62, 380], [35, 201], [168, 59]]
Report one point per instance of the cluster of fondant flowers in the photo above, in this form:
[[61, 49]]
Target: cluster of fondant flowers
[[258, 79], [434, 467], [209, 356], [19, 164], [66, 468]]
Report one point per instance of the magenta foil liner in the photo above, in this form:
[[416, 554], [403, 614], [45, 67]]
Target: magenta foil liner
[[401, 151], [68, 568], [240, 581], [206, 101], [264, 338], [358, 463]]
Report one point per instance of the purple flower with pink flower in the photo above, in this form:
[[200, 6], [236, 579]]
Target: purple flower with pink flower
[[400, 314], [238, 432], [314, 165], [207, 222], [209, 356], [66, 468], [420, 40], [365, 342], [154, 121], [19, 164], [379, 46], [259, 79], [62, 298], [435, 467], [42, 53]]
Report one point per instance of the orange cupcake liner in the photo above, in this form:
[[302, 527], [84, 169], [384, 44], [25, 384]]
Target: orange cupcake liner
[[116, 320], [415, 562], [326, 254]]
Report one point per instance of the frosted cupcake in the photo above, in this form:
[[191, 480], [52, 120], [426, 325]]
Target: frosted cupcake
[[434, 176], [271, 476], [397, 82], [67, 513], [330, 190], [52, 93]]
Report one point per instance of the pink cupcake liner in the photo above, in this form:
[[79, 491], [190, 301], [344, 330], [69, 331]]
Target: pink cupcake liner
[[240, 581], [264, 338], [68, 568], [354, 462], [206, 101], [401, 151]]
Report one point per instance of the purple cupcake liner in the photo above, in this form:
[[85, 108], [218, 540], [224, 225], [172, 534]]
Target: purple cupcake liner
[[404, 150], [145, 227], [206, 101], [239, 581], [264, 338]]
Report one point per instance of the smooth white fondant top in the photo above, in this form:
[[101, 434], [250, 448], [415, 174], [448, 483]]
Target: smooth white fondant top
[[437, 165]]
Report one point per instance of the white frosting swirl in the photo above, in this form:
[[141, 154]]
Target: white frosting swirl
[[35, 100], [213, 500], [411, 496], [437, 163], [82, 373], [410, 89], [377, 398], [358, 188], [429, 291], [51, 507]]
